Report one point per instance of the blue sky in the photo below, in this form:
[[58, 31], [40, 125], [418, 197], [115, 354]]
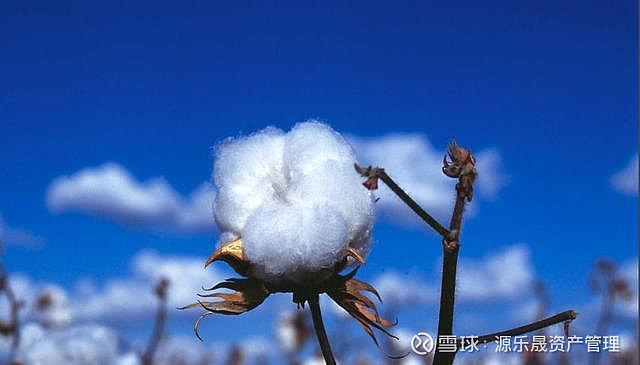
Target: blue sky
[[550, 88]]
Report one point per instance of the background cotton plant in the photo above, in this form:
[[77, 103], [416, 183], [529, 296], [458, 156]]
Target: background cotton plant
[[294, 199]]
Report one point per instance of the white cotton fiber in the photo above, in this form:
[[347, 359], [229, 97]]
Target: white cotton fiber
[[294, 198]]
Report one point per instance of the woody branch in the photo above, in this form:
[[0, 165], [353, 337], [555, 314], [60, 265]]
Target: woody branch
[[462, 167]]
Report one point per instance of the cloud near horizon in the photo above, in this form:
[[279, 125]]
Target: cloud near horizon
[[501, 275], [132, 296], [127, 297], [81, 323]]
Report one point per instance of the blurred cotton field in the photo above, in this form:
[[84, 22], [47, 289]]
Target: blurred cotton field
[[299, 206]]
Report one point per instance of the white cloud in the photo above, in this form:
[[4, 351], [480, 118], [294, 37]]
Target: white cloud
[[398, 289], [416, 165], [133, 296], [111, 192], [128, 297], [502, 275], [625, 181], [491, 177], [186, 350]]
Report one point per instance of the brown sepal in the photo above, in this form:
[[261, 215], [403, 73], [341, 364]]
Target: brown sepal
[[232, 253], [247, 294], [348, 293]]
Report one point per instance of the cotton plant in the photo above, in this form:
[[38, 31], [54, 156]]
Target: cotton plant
[[292, 331], [294, 216], [51, 308]]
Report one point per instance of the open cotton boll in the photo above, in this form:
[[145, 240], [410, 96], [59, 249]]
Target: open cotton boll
[[245, 172], [284, 240], [294, 198]]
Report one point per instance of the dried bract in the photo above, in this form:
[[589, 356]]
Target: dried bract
[[462, 166], [250, 292]]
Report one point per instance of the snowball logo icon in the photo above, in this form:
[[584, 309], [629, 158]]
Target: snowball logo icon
[[422, 343]]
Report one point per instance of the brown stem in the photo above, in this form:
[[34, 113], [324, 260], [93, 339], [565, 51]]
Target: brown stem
[[323, 340], [569, 315], [606, 312], [442, 231], [449, 268], [13, 328], [544, 301], [159, 323], [15, 307]]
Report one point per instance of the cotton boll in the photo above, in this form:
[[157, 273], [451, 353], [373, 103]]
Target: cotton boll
[[286, 334], [310, 144], [294, 198], [128, 359], [247, 171], [292, 241], [51, 307], [319, 163], [337, 184]]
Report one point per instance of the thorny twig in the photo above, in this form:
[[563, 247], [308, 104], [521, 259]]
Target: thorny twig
[[462, 167], [160, 292]]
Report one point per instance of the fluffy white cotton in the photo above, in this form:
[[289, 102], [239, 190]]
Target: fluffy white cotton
[[57, 310], [294, 198]]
